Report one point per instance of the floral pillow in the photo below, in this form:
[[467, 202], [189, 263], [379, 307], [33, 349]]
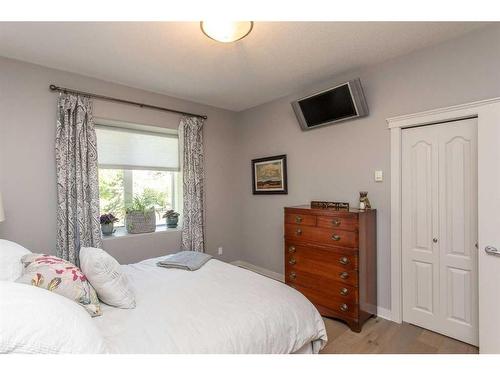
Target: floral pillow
[[62, 277]]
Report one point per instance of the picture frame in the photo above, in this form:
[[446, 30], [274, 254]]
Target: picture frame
[[269, 175]]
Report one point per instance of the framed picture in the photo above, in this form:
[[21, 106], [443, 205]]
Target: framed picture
[[269, 175]]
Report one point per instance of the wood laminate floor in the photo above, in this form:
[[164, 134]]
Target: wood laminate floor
[[382, 336]]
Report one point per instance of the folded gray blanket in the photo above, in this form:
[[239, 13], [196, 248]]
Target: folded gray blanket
[[185, 260]]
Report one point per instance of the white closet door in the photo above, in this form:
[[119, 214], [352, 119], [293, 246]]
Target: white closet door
[[439, 202], [420, 224]]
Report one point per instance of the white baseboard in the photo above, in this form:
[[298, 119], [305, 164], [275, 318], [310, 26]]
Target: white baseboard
[[260, 270], [384, 313], [381, 311]]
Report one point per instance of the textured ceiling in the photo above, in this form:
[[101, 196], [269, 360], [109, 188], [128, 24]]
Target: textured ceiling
[[175, 58]]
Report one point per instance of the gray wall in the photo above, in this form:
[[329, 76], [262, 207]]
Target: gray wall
[[27, 161], [336, 162], [331, 163]]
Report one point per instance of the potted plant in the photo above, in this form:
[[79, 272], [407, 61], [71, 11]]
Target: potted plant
[[140, 215], [107, 224], [172, 218]]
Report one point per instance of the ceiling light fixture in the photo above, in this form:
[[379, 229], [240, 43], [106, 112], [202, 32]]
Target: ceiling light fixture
[[226, 32]]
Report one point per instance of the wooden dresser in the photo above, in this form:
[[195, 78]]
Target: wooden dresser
[[331, 258]]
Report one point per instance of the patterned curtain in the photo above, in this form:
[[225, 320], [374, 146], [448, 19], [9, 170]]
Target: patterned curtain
[[191, 134], [77, 177]]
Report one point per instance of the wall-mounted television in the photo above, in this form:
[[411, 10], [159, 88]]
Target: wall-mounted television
[[336, 104]]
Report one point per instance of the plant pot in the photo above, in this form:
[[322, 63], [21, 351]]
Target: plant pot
[[172, 222], [140, 222], [107, 229]]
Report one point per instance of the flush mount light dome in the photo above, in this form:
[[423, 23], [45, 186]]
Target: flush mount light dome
[[226, 32]]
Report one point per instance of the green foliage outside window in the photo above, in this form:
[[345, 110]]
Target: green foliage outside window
[[150, 199], [124, 191], [111, 191]]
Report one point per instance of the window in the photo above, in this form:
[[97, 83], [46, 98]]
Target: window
[[138, 161]]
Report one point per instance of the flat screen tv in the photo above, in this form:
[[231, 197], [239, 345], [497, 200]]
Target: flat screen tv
[[339, 103]]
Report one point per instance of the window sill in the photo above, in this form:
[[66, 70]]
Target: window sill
[[121, 232]]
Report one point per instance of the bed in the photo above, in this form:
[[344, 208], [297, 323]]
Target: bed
[[219, 308]]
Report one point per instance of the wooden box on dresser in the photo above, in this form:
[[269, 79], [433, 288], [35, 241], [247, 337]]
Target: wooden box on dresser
[[331, 258]]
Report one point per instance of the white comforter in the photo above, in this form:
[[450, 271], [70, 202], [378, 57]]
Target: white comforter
[[219, 308]]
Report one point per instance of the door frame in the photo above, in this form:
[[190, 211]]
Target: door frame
[[487, 113]]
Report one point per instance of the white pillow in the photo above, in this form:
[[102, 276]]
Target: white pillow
[[104, 274], [34, 320], [10, 260]]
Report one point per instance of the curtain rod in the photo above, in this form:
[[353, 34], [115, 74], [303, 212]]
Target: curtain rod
[[108, 98]]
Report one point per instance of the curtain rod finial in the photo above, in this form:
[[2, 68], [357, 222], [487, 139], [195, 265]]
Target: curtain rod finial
[[53, 87]]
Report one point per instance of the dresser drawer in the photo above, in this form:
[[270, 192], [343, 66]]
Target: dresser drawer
[[323, 270], [343, 291], [309, 220], [333, 237], [339, 305], [338, 222], [344, 259]]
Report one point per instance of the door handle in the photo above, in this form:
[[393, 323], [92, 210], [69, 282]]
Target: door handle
[[491, 250]]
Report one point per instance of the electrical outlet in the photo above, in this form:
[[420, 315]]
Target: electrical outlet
[[379, 176], [220, 250]]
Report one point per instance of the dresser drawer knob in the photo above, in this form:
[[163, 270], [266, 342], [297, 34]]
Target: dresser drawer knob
[[344, 291], [292, 249], [298, 231], [298, 219], [336, 222], [344, 260], [344, 275], [292, 261], [344, 307], [293, 275], [335, 237]]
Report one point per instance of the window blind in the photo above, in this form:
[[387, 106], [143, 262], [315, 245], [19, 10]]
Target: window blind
[[121, 148]]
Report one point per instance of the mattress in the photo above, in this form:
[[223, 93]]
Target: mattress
[[219, 308]]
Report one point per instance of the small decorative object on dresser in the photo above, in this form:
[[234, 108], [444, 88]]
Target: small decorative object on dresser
[[364, 202], [107, 224], [269, 175], [172, 218], [331, 258], [326, 204]]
